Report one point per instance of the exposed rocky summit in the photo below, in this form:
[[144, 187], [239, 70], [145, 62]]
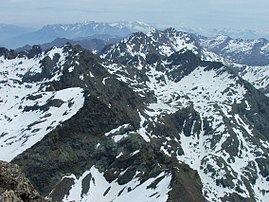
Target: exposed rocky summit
[[15, 187]]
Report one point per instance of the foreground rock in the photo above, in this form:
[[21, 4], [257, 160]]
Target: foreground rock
[[14, 186]]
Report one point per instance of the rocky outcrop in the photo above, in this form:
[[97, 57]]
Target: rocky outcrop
[[15, 187]]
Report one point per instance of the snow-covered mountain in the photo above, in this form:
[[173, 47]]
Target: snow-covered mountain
[[135, 26], [71, 31], [249, 58], [28, 113], [219, 142], [154, 118], [65, 102], [258, 76], [239, 33], [249, 52]]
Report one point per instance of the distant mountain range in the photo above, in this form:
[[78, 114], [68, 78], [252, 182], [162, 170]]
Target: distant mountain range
[[12, 36], [233, 33], [93, 43], [70, 31], [250, 52]]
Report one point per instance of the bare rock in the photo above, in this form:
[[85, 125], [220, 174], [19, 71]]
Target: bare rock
[[15, 187]]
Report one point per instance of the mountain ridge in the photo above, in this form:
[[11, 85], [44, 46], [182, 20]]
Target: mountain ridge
[[249, 52], [159, 115], [161, 90]]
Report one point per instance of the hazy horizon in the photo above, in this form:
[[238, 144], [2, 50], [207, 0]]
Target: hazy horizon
[[207, 14]]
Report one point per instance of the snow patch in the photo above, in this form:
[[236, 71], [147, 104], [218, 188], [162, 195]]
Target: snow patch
[[102, 190]]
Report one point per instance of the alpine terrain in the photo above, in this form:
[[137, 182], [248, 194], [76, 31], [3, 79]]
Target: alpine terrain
[[154, 117], [250, 58]]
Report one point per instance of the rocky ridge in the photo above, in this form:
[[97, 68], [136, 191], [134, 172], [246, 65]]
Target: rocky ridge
[[102, 137], [14, 186]]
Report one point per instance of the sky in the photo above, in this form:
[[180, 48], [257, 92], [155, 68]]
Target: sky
[[240, 14]]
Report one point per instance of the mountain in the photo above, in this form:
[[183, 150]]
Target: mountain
[[241, 33], [88, 122], [218, 142], [135, 26], [94, 43], [233, 33], [154, 118], [70, 31], [249, 52], [249, 58]]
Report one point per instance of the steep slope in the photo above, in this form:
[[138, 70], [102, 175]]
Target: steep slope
[[29, 112], [88, 126], [220, 120], [258, 76]]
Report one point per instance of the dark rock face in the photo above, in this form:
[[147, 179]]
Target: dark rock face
[[14, 186]]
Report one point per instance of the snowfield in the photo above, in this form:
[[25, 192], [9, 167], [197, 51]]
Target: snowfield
[[27, 112], [101, 190]]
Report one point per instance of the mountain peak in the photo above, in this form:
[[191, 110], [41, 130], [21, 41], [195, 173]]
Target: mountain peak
[[161, 43], [222, 37], [171, 30]]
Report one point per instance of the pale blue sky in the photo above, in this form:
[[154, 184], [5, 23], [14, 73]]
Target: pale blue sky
[[249, 14]]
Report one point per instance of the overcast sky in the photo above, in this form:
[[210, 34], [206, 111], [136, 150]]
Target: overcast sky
[[248, 14]]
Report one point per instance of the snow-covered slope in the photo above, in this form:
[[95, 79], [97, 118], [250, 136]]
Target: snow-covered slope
[[258, 76], [92, 186], [28, 112], [219, 132], [249, 58]]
